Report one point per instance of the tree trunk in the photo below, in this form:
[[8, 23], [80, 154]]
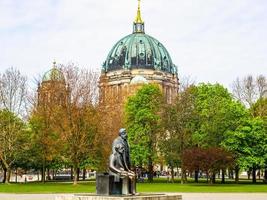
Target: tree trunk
[[182, 176], [150, 170], [71, 173], [48, 174], [5, 173], [231, 174], [78, 174], [254, 178], [196, 176], [43, 171], [84, 174], [8, 175], [207, 176], [236, 174], [75, 179], [16, 178], [213, 178], [53, 174], [265, 175], [223, 176]]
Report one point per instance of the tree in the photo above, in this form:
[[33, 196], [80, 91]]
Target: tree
[[259, 109], [13, 92], [64, 119], [12, 138], [48, 107], [179, 120], [80, 118], [143, 125], [79, 131], [218, 113], [210, 160], [249, 143], [46, 143], [249, 89]]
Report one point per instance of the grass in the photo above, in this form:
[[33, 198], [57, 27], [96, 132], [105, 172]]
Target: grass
[[159, 185], [50, 187]]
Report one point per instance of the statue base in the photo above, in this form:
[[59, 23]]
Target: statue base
[[120, 197], [107, 185]]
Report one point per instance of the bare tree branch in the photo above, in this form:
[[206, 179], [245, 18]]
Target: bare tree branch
[[13, 91], [249, 89]]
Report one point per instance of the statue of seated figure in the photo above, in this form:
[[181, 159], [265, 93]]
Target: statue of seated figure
[[119, 166]]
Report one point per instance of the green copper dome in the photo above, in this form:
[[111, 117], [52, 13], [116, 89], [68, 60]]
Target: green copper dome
[[54, 74], [139, 51]]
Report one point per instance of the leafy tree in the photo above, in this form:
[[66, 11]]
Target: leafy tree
[[46, 143], [143, 124], [210, 160], [79, 129], [179, 120], [80, 119], [64, 121], [249, 143], [218, 112], [259, 109], [12, 138]]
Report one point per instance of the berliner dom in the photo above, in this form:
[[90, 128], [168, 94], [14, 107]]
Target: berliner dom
[[134, 60]]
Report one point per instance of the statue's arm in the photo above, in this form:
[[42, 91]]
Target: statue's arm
[[112, 166], [114, 169]]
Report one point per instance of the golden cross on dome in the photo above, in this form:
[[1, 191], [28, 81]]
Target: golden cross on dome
[[138, 18]]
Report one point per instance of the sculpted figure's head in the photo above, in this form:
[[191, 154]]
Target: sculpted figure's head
[[119, 148], [123, 133]]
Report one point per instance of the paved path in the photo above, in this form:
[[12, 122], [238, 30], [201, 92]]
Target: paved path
[[186, 196], [28, 196], [224, 196]]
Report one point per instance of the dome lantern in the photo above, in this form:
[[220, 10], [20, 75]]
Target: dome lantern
[[139, 25]]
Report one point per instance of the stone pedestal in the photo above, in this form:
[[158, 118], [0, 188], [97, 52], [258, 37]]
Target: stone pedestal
[[104, 184]]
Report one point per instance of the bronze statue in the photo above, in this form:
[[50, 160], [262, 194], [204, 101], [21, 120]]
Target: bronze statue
[[120, 165]]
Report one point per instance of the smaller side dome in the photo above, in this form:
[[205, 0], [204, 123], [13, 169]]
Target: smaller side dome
[[54, 74]]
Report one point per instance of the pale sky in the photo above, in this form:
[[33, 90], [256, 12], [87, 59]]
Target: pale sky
[[210, 40]]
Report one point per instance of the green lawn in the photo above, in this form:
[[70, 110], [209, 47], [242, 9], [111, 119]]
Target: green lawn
[[87, 187], [157, 186]]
